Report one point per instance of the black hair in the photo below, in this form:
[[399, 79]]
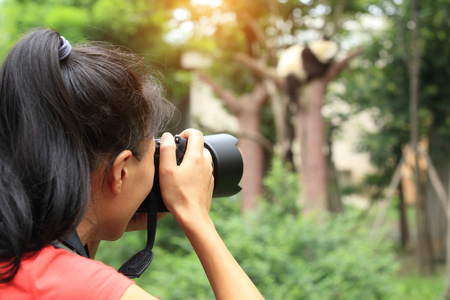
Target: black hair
[[58, 120]]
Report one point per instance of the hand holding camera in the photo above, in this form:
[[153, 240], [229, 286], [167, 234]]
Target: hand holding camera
[[186, 188]]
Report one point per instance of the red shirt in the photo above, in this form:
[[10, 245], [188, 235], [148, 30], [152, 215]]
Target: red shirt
[[59, 274]]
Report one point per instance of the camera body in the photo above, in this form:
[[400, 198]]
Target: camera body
[[227, 164]]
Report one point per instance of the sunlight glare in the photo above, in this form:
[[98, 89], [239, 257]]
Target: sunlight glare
[[211, 3], [181, 14]]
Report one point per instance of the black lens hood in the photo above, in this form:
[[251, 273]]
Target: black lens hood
[[228, 165]]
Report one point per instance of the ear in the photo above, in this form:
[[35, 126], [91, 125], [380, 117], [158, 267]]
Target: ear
[[119, 171]]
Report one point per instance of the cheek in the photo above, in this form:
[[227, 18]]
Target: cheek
[[149, 179], [150, 165], [148, 175]]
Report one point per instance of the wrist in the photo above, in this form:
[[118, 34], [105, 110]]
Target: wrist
[[193, 222]]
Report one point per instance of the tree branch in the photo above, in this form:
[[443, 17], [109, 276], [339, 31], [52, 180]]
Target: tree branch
[[258, 137], [260, 68], [262, 38], [255, 27], [225, 95], [259, 95], [338, 66], [401, 38], [338, 18]]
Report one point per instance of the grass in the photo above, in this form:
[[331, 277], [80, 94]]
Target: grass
[[414, 287]]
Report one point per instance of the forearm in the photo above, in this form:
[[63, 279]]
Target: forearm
[[227, 278], [188, 198]]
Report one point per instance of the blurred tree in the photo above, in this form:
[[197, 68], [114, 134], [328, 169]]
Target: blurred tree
[[248, 36], [247, 108], [435, 96], [387, 66], [139, 25]]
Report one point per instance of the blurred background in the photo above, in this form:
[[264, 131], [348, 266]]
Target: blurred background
[[345, 188]]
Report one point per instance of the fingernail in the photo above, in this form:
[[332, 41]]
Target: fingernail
[[167, 138]]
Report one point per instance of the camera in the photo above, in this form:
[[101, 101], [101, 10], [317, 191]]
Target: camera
[[227, 165]]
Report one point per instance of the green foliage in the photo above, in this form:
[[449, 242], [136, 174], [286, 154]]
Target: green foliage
[[69, 21], [287, 256], [418, 288], [118, 10], [14, 21], [380, 83], [329, 258], [139, 25], [281, 188]]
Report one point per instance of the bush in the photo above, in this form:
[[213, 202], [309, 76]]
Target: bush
[[311, 258]]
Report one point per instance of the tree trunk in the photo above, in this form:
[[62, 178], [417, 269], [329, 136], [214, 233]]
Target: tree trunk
[[247, 108], [309, 129], [403, 222], [334, 201], [438, 154], [424, 245], [253, 157], [282, 119], [310, 132]]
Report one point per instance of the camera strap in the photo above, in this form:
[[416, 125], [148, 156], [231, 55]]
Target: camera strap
[[138, 263], [73, 243]]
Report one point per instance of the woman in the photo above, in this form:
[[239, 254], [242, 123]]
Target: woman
[[77, 147]]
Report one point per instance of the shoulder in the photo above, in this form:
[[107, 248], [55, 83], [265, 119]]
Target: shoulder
[[57, 273], [93, 279], [64, 261]]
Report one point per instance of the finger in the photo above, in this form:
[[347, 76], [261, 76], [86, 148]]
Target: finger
[[167, 154], [162, 215], [187, 132], [208, 156], [195, 140]]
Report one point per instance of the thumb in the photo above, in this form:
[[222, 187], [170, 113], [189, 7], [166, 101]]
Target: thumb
[[167, 154]]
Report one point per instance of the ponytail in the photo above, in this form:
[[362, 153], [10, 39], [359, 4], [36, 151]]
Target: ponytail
[[16, 224]]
